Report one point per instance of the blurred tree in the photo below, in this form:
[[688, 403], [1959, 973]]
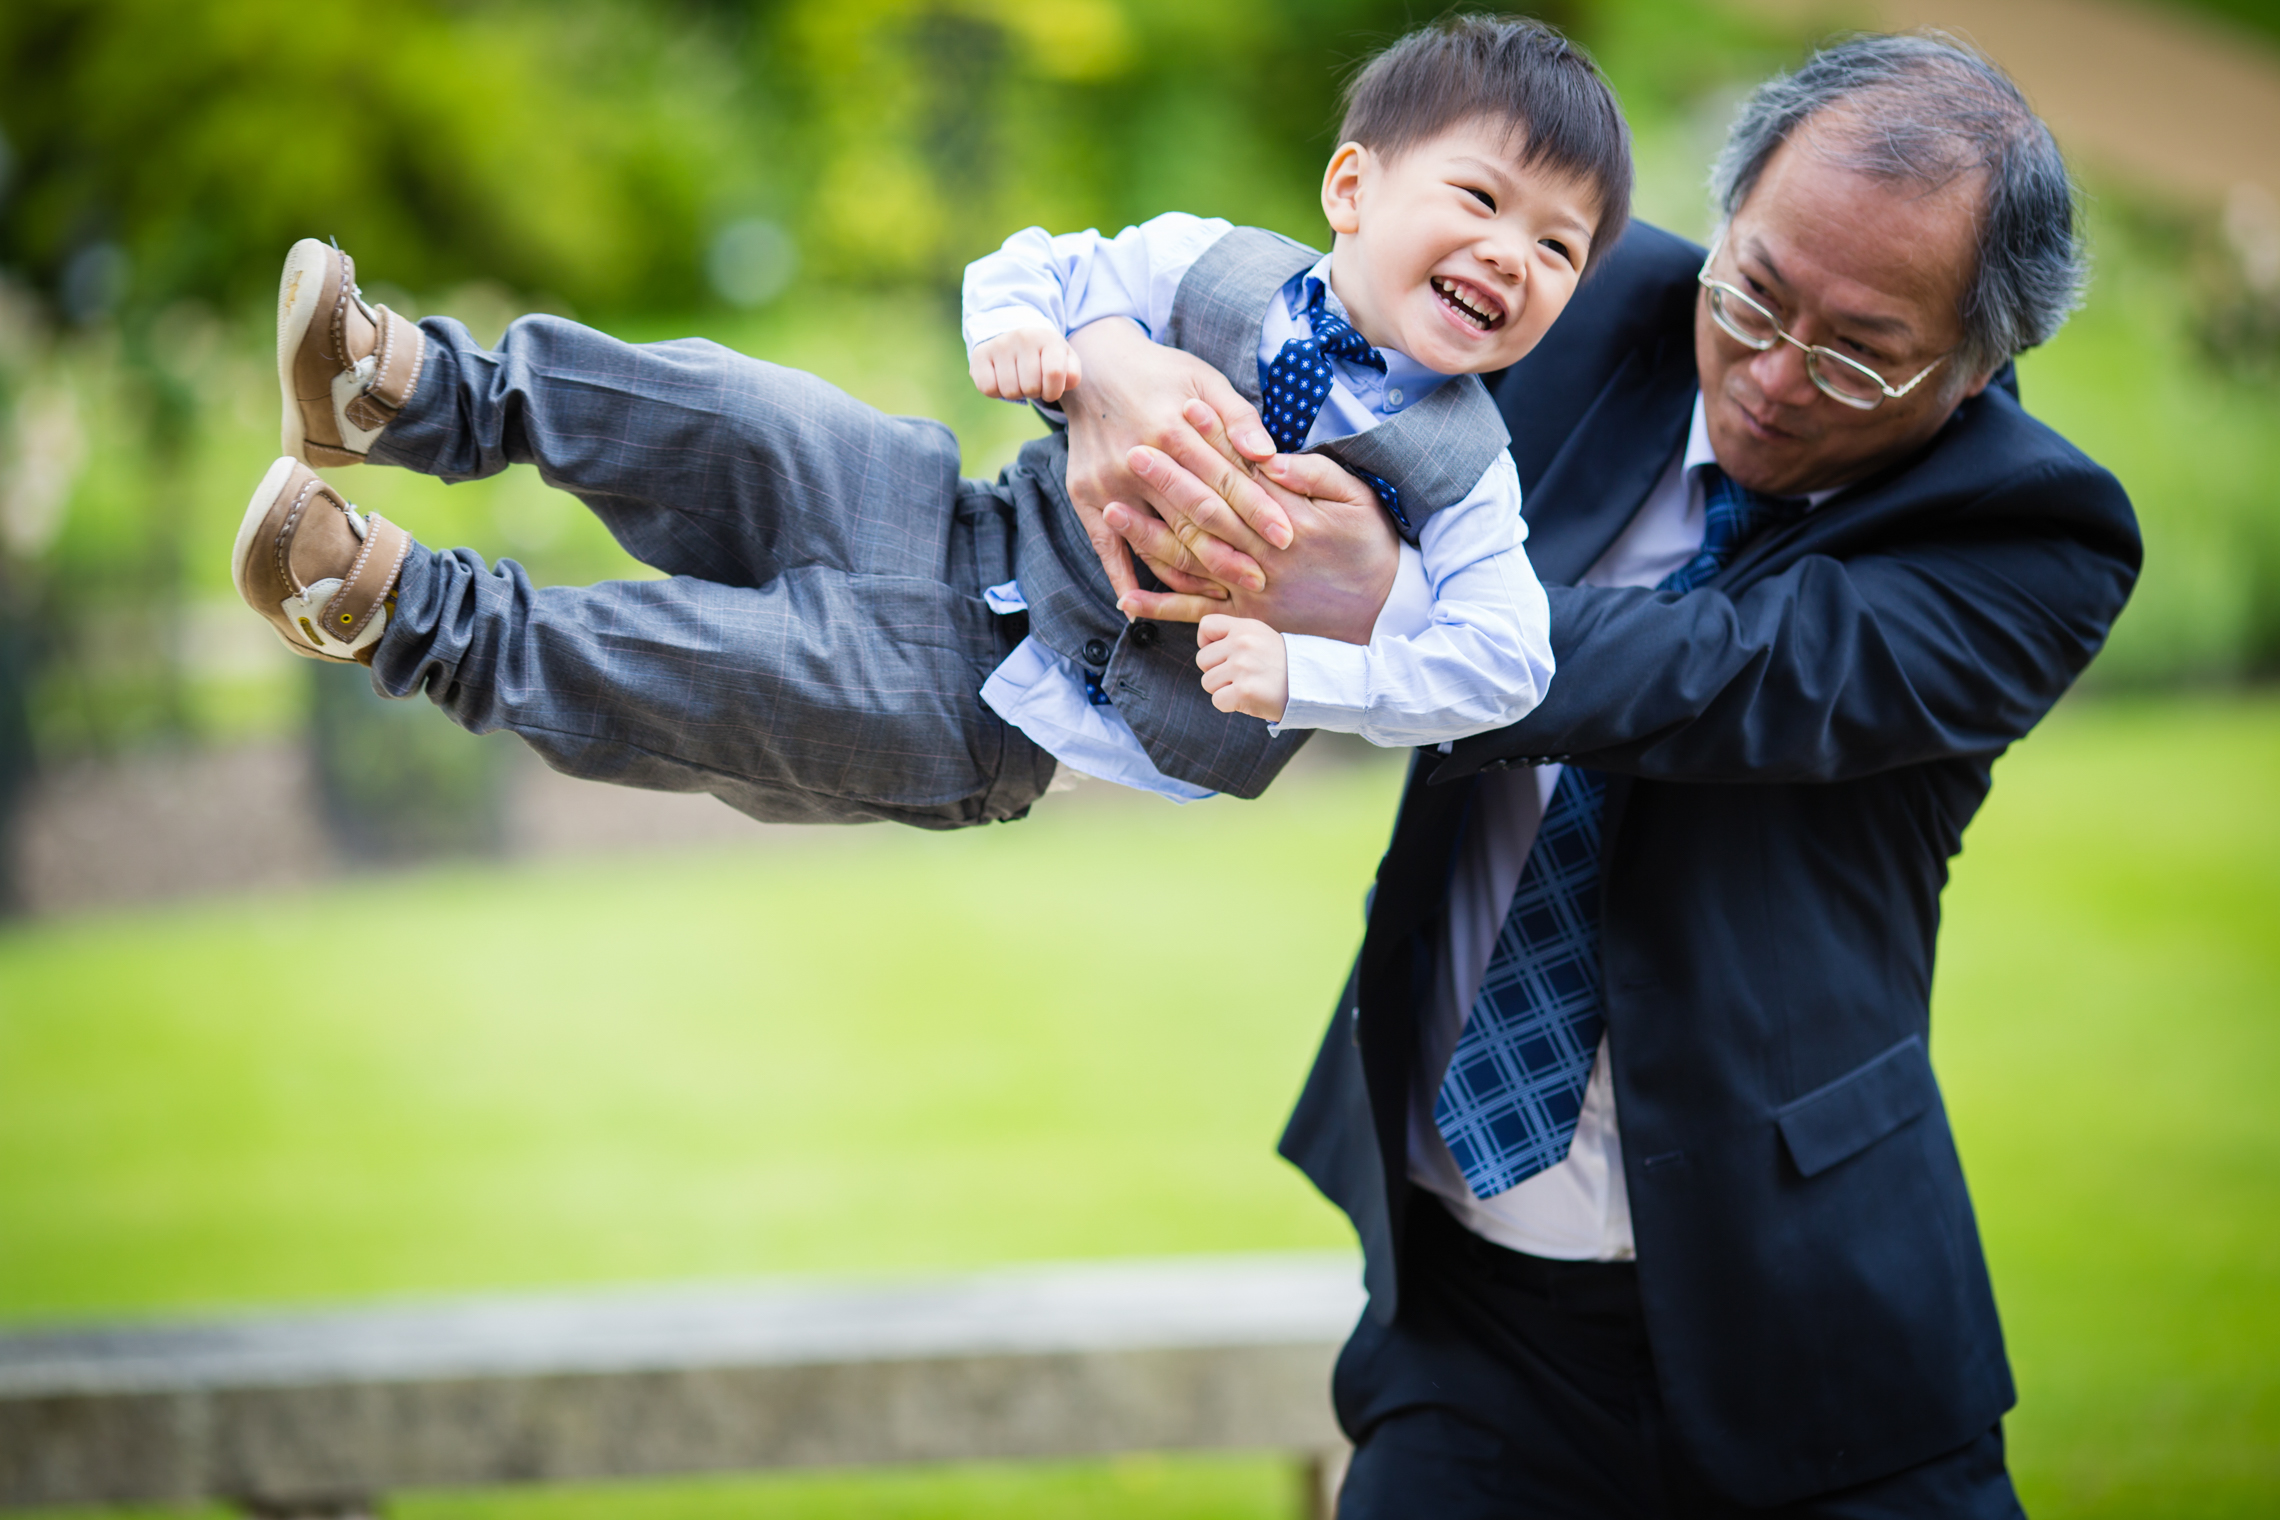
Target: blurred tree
[[162, 150], [930, 129]]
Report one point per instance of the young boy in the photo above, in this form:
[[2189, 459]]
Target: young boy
[[852, 632]]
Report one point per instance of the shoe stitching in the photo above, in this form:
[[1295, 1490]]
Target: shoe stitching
[[340, 308], [380, 353], [285, 535], [348, 583], [419, 363], [374, 524]]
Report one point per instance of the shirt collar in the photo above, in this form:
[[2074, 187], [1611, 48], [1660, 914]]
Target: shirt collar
[[1699, 453], [1402, 373]]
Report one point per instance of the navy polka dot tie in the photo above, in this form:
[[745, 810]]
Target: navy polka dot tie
[[1298, 382]]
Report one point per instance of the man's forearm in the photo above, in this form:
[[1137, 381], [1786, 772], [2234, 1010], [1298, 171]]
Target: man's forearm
[[1830, 670]]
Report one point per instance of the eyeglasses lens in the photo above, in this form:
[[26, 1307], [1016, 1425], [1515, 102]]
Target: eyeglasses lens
[[1743, 318], [1843, 381], [1752, 324]]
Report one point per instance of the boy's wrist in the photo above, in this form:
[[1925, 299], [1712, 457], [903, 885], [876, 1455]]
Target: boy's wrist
[[984, 326]]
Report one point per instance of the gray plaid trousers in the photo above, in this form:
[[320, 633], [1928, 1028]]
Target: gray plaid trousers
[[817, 652]]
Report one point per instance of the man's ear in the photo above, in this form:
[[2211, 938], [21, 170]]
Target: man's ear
[[1342, 188]]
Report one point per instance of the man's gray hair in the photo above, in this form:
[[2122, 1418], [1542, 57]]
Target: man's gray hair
[[1926, 109]]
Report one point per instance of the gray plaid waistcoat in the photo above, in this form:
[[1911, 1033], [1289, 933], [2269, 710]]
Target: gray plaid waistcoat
[[1434, 454]]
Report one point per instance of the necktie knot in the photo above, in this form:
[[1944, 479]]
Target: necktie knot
[[1298, 381], [1732, 515]]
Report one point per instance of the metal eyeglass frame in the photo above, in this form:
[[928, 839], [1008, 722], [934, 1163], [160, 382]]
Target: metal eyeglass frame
[[1815, 353]]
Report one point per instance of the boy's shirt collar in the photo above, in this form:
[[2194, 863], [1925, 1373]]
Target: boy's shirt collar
[[1405, 381]]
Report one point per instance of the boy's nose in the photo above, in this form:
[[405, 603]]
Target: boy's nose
[[1504, 258]]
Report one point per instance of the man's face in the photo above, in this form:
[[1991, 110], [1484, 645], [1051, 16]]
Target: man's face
[[1873, 270], [1453, 253]]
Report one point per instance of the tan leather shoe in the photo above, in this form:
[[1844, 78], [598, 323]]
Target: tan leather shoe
[[323, 573], [345, 368]]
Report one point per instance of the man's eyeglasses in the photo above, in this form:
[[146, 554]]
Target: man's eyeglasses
[[1839, 378]]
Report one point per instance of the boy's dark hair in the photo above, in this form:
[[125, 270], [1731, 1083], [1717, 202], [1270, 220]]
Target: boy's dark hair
[[1519, 72]]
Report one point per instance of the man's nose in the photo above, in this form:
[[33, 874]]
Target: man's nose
[[1780, 375]]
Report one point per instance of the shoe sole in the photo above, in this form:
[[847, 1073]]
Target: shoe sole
[[249, 528], [300, 291]]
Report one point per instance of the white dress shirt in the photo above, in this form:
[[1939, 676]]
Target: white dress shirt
[[1577, 1210], [1464, 644]]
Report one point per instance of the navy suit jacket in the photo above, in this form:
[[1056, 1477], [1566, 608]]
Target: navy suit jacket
[[1793, 752]]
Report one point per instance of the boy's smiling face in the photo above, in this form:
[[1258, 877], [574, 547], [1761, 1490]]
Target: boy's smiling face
[[1452, 252]]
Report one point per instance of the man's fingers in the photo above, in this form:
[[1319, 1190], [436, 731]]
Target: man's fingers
[[1235, 495], [1156, 545], [1237, 416], [1318, 477], [1166, 606], [1175, 579], [1152, 540], [1115, 554], [1199, 520]]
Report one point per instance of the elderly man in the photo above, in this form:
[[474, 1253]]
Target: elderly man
[[1629, 1094]]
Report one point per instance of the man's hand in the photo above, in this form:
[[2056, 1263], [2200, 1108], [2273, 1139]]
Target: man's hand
[[1140, 393], [1245, 666], [1332, 581], [1225, 522], [1027, 364]]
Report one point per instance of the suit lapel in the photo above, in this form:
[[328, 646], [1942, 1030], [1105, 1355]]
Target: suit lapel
[[1594, 485]]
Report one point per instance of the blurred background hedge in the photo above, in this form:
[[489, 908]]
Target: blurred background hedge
[[805, 179]]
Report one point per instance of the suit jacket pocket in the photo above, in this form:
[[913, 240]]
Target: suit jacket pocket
[[1844, 1117]]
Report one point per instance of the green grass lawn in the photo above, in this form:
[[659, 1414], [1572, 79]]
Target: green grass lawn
[[883, 1052]]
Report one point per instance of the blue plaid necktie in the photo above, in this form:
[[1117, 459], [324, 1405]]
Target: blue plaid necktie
[[1298, 382], [1509, 1104]]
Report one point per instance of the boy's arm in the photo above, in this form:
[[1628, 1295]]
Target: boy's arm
[[1066, 282], [1481, 661]]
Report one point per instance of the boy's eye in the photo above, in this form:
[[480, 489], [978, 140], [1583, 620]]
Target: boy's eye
[[1560, 248], [1482, 196]]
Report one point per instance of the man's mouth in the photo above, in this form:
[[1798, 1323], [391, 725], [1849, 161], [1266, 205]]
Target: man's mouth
[[1470, 303]]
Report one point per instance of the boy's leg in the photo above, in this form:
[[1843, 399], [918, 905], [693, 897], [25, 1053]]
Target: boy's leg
[[700, 460], [824, 696]]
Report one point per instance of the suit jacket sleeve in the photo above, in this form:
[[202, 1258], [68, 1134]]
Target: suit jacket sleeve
[[1953, 636]]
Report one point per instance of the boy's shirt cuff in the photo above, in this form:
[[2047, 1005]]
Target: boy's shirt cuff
[[981, 326], [1330, 678]]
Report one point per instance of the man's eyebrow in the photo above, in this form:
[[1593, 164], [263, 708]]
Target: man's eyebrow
[[1848, 321]]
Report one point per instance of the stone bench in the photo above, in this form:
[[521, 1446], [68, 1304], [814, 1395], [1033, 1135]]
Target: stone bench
[[322, 1414]]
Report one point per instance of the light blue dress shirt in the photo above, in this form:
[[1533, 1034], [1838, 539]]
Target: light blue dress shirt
[[1464, 645]]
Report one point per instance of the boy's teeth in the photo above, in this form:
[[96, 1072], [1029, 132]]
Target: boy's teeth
[[1449, 293]]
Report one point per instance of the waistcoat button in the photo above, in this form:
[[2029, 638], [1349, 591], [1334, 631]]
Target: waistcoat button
[[1145, 635], [1096, 652]]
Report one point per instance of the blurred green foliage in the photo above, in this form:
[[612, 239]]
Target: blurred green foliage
[[804, 179], [2257, 15], [671, 1067], [593, 150]]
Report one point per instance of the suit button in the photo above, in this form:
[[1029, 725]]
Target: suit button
[[1145, 635], [1096, 652]]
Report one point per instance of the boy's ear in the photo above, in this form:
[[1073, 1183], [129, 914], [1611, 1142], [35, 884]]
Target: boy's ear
[[1342, 187]]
